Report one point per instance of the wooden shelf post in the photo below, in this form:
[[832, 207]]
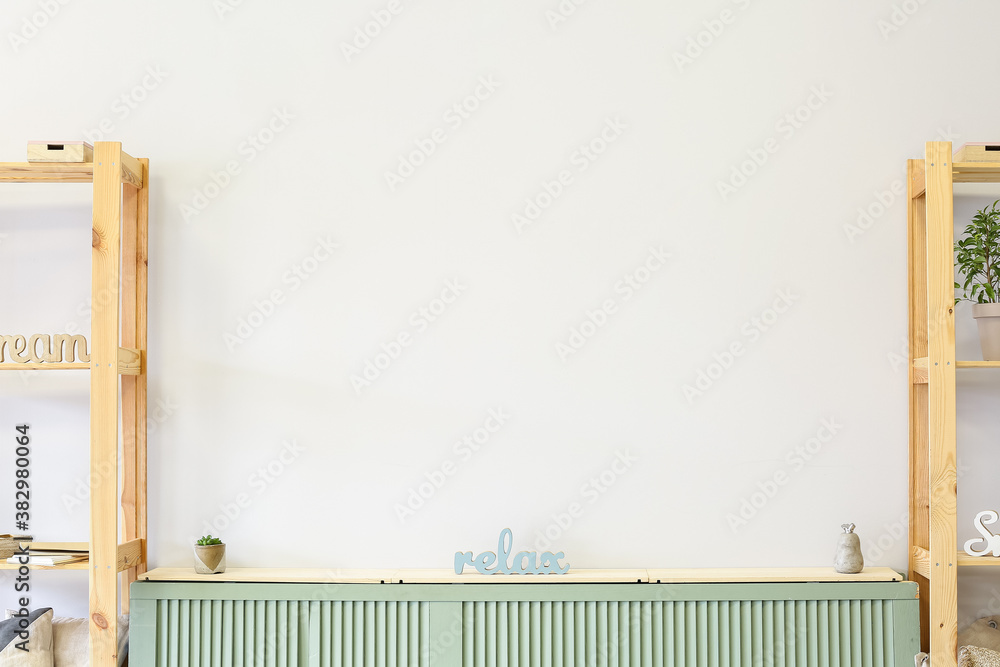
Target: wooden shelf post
[[104, 332], [135, 238], [919, 506], [933, 459]]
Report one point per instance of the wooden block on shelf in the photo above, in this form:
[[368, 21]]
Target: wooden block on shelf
[[60, 151], [977, 152]]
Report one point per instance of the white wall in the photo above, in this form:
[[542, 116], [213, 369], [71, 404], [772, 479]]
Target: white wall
[[186, 87]]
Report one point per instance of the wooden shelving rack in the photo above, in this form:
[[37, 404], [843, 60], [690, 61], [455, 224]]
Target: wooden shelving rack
[[934, 556], [117, 350]]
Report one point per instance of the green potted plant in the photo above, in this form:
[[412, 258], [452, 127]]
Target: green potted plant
[[977, 257], [209, 555]]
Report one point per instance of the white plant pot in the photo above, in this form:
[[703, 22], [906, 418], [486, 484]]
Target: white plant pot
[[988, 318], [209, 558]]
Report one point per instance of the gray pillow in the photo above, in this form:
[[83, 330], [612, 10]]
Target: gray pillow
[[38, 644]]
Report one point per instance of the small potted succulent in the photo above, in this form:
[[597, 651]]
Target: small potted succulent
[[977, 257], [209, 555]]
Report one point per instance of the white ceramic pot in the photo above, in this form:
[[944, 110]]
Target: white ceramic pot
[[988, 318], [209, 558]]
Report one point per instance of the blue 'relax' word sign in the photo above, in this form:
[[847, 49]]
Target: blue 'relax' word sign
[[525, 562]]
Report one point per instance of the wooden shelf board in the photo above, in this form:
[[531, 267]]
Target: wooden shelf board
[[965, 559], [770, 574], [976, 172], [79, 565], [272, 575], [129, 363], [31, 366], [443, 576], [64, 172]]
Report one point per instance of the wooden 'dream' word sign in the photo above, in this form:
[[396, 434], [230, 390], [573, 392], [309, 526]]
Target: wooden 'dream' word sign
[[991, 542], [525, 562], [21, 350]]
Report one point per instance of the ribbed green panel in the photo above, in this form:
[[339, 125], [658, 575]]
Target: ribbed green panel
[[540, 625], [716, 633], [291, 633]]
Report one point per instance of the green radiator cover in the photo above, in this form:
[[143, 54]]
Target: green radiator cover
[[524, 625]]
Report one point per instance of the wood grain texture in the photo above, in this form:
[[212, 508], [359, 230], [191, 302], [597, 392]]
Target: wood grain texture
[[60, 151], [941, 405], [129, 404], [30, 366], [106, 270], [134, 333], [976, 172], [920, 561], [916, 184], [965, 560], [132, 171], [65, 172], [770, 574], [976, 152], [130, 554], [448, 576], [129, 362], [278, 575], [141, 341], [78, 565], [47, 172], [919, 481]]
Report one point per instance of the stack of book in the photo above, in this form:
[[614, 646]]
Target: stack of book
[[9, 544], [51, 553]]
